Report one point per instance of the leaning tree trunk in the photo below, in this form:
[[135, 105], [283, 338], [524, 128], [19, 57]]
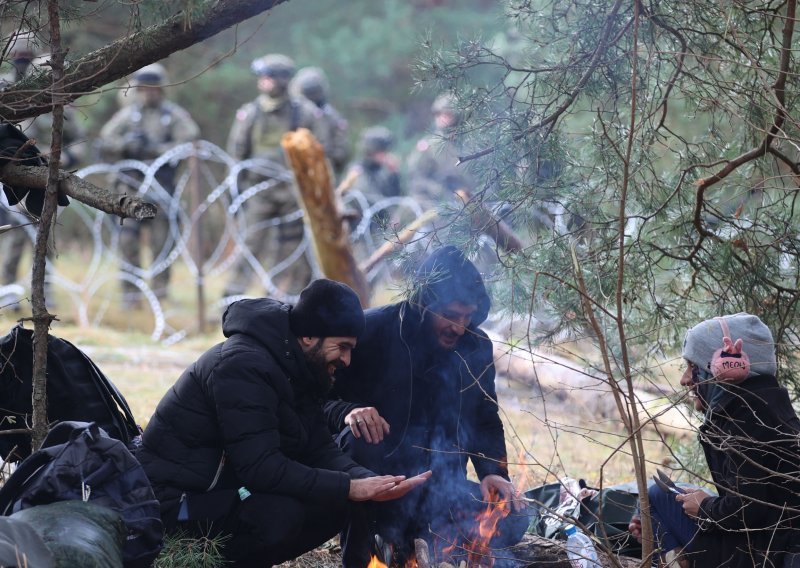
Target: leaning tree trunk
[[322, 214]]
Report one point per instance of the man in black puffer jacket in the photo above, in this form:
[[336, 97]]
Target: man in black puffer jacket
[[239, 445], [420, 395]]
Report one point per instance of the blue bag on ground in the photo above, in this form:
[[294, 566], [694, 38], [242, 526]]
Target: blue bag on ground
[[79, 461]]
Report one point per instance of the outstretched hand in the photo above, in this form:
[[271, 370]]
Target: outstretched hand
[[366, 489], [504, 488], [385, 487], [404, 487]]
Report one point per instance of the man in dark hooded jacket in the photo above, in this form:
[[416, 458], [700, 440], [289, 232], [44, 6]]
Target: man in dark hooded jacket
[[420, 395], [239, 445]]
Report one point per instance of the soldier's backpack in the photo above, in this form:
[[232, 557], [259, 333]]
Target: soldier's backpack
[[79, 461], [76, 390]]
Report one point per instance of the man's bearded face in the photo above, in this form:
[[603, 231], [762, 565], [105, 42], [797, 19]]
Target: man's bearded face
[[327, 355], [449, 322]]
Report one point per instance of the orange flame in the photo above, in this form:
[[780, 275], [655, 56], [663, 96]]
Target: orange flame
[[375, 563], [488, 519]]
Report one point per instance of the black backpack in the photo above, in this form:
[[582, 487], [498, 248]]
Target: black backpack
[[76, 390], [79, 461]]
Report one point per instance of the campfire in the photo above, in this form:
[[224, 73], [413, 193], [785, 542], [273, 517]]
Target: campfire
[[478, 549], [472, 552]]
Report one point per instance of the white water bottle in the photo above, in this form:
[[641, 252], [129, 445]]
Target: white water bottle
[[580, 549]]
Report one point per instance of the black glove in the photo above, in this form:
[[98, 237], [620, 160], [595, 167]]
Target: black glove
[[11, 140]]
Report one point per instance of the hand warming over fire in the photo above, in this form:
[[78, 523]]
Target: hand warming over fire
[[403, 487], [366, 489], [504, 488], [385, 487], [367, 422]]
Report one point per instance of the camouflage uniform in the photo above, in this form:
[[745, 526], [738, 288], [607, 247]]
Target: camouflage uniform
[[378, 170], [144, 131], [332, 128], [433, 173], [256, 133], [23, 57]]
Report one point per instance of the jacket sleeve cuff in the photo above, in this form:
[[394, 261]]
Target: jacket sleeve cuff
[[334, 485]]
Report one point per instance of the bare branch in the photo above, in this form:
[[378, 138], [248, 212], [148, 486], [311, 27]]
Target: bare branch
[[123, 205], [32, 96]]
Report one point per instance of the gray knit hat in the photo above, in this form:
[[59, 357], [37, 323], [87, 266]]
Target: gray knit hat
[[705, 338]]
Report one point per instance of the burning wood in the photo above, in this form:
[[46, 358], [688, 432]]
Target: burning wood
[[423, 555], [476, 548]]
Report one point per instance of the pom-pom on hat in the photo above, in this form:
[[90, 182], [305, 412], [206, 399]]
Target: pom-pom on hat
[[704, 346], [327, 308]]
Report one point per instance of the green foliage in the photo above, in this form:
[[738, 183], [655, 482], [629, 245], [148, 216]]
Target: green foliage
[[184, 551], [594, 128]]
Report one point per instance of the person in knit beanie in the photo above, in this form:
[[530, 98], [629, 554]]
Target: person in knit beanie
[[750, 437], [327, 308], [239, 446], [706, 338]]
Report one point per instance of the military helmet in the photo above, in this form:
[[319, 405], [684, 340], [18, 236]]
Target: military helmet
[[376, 139], [312, 83], [22, 47], [274, 65], [153, 75]]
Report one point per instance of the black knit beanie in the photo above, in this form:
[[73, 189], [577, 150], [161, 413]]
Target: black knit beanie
[[327, 308]]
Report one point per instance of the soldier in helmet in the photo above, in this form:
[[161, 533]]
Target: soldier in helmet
[[143, 130], [311, 83], [378, 169], [433, 173], [256, 133], [25, 58]]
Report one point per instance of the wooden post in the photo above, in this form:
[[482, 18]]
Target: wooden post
[[331, 238]]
